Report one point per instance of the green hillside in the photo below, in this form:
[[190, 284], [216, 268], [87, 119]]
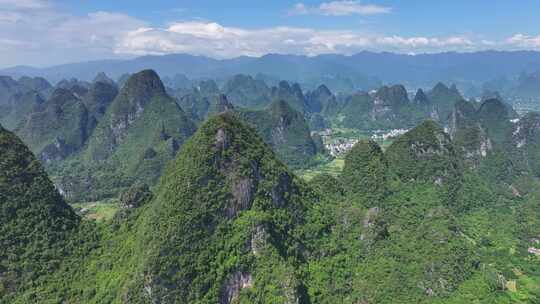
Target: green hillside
[[140, 132]]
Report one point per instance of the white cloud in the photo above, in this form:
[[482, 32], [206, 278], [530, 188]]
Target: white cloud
[[299, 9], [23, 4], [524, 41], [213, 39], [340, 8], [99, 30], [36, 33]]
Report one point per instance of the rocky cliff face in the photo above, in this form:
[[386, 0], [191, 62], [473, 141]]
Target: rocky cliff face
[[525, 140], [469, 134]]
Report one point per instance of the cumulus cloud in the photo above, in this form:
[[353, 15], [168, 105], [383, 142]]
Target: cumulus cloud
[[213, 39], [340, 8]]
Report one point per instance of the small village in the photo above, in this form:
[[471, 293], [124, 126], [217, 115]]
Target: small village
[[339, 146]]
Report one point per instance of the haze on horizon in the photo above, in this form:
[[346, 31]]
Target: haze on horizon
[[45, 33]]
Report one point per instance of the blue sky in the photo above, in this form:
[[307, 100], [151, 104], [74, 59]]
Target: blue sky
[[40, 32], [410, 17]]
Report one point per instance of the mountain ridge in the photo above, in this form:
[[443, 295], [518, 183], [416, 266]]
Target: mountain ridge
[[389, 67]]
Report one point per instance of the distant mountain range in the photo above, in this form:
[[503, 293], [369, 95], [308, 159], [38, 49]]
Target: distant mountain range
[[365, 70]]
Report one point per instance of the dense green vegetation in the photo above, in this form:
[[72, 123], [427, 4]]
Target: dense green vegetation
[[36, 224], [229, 223], [165, 214], [364, 172]]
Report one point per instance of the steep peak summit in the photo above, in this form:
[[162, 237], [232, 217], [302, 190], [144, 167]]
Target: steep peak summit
[[440, 88], [225, 141], [225, 189], [323, 90], [143, 85], [102, 77], [393, 95], [420, 97]]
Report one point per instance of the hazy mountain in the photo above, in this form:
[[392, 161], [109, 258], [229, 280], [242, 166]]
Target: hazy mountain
[[245, 91], [57, 127], [23, 104], [37, 84], [19, 97], [411, 70], [527, 86], [286, 130], [320, 100], [99, 96]]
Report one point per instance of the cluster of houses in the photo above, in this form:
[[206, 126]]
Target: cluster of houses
[[340, 146], [383, 135]]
